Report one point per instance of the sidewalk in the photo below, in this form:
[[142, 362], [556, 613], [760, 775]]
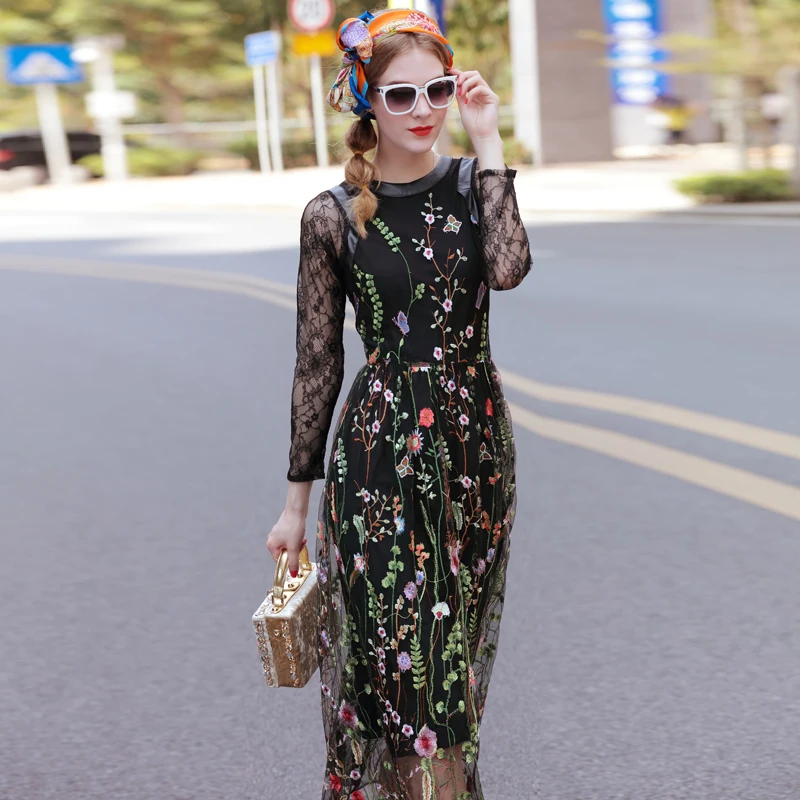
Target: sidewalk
[[626, 186]]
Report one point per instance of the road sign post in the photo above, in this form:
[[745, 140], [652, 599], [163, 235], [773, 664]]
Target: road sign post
[[262, 50], [54, 138], [43, 66], [105, 104], [312, 17]]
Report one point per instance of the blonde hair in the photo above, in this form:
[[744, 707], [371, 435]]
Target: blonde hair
[[362, 136]]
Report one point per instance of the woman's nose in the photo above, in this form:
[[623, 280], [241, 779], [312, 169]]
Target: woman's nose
[[422, 109]]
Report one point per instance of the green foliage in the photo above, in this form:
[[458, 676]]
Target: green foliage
[[295, 153], [152, 161], [740, 187]]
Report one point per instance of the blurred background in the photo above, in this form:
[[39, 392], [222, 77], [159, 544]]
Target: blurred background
[[155, 159]]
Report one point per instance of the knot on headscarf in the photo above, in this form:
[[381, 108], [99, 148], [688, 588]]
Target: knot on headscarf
[[356, 37]]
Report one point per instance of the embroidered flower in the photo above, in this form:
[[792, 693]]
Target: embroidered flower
[[489, 409], [454, 558], [388, 705], [367, 495], [382, 632], [403, 660], [355, 775], [400, 523], [426, 417], [464, 392], [414, 442], [441, 610], [472, 679], [381, 668], [357, 794], [428, 253], [429, 218], [358, 561], [480, 567], [490, 554], [469, 331], [395, 718], [437, 353], [464, 419], [441, 380], [420, 576], [425, 743], [447, 305], [323, 635], [385, 719], [451, 386], [347, 715], [377, 386], [336, 783], [407, 730], [466, 481], [388, 395], [376, 426], [381, 652], [326, 690], [410, 591]]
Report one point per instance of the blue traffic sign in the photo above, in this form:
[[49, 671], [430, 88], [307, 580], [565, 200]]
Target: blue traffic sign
[[635, 25], [262, 48], [41, 63]]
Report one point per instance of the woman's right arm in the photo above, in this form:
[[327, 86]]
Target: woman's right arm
[[319, 366]]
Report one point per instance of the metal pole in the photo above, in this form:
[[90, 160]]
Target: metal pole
[[261, 119], [739, 120], [320, 132], [56, 147], [791, 81], [115, 163], [274, 117]]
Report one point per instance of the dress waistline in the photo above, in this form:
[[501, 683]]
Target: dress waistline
[[430, 363]]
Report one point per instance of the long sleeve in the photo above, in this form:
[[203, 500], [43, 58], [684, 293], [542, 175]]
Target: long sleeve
[[506, 250], [319, 369]]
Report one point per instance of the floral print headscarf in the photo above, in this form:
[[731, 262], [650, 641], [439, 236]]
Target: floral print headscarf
[[356, 37]]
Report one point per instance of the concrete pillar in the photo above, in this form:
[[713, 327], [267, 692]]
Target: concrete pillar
[[563, 75]]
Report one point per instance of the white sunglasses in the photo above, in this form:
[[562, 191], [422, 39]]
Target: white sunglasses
[[401, 98]]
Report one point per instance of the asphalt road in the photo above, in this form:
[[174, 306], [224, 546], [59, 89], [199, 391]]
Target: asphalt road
[[650, 646]]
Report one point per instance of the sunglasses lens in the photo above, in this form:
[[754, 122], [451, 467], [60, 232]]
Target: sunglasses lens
[[399, 100], [441, 94]]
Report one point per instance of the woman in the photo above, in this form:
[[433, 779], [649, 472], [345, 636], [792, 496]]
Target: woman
[[419, 494]]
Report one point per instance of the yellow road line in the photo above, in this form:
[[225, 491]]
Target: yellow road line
[[770, 441], [781, 498], [748, 487]]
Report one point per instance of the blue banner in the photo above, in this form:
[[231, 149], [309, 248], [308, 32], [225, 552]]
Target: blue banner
[[635, 25], [438, 12]]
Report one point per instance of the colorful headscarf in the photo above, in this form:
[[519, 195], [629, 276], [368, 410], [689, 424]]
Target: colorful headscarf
[[356, 37]]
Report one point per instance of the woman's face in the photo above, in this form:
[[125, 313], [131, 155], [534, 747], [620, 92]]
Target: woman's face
[[417, 67]]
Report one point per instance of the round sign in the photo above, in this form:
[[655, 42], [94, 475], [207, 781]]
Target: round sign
[[311, 15]]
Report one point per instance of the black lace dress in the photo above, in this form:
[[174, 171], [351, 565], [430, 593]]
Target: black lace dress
[[419, 495]]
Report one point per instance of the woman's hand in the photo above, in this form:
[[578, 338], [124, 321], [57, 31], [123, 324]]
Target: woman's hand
[[478, 104], [288, 534]]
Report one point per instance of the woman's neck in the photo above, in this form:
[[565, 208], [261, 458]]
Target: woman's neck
[[400, 166]]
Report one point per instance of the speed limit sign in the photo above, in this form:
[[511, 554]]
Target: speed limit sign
[[311, 15]]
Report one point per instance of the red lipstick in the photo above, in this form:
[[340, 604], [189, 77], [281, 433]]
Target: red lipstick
[[422, 130]]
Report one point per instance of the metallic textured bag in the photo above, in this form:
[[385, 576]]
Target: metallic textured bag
[[287, 623]]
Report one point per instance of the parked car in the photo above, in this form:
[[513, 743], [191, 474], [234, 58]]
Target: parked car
[[25, 149]]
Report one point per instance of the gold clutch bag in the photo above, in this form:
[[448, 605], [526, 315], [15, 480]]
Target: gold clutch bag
[[286, 624]]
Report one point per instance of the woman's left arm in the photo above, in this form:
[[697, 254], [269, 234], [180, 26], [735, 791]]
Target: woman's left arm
[[506, 249]]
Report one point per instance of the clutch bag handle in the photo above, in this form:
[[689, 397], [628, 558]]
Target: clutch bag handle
[[282, 590]]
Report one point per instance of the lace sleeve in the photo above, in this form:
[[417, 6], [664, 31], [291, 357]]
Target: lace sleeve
[[319, 369], [506, 250]]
